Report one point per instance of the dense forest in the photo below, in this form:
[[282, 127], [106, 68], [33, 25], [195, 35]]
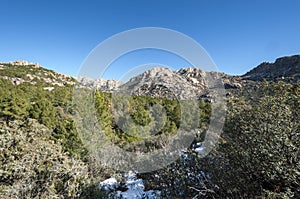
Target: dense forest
[[43, 154]]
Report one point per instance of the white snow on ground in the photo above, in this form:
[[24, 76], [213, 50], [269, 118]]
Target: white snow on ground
[[135, 188], [198, 148], [109, 184]]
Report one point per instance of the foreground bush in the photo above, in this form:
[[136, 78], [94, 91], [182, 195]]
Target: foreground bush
[[259, 154], [32, 165]]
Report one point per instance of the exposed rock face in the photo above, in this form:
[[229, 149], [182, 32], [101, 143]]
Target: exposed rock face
[[49, 88], [15, 80], [186, 83], [284, 68], [23, 63], [101, 84], [195, 76]]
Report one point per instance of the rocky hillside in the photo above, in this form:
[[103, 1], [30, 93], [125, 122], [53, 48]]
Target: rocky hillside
[[284, 68], [186, 83], [19, 72], [163, 82]]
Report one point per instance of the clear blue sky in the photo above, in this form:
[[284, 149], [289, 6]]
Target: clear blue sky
[[59, 34]]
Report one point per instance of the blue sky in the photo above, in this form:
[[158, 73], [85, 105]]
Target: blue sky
[[59, 35]]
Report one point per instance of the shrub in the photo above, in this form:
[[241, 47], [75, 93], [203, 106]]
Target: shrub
[[32, 165]]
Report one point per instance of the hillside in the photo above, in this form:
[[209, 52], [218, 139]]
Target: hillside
[[284, 69], [19, 72]]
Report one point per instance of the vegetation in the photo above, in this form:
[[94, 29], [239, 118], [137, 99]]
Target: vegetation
[[261, 143], [258, 154], [138, 120], [42, 153], [35, 166]]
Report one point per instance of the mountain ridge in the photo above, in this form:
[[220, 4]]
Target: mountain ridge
[[287, 67], [185, 83]]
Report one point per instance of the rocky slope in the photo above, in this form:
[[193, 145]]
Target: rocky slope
[[284, 68], [163, 82], [19, 72], [186, 83], [190, 83]]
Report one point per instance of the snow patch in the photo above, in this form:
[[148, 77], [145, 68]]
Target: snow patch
[[135, 188], [109, 184]]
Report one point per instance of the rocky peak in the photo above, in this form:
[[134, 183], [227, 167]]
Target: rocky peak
[[156, 73], [185, 83]]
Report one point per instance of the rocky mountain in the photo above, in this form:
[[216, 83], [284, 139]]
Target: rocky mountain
[[284, 68], [163, 82], [190, 83], [186, 83]]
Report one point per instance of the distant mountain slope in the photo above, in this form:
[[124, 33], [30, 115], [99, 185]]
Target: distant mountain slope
[[186, 83], [163, 82], [101, 84], [284, 68], [19, 72]]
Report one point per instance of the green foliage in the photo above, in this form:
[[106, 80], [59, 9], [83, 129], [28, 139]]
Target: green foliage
[[257, 156], [43, 110], [133, 122], [52, 109], [43, 157], [260, 148], [13, 108]]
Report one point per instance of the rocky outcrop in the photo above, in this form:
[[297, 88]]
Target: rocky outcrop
[[195, 76], [284, 68], [23, 63], [15, 80]]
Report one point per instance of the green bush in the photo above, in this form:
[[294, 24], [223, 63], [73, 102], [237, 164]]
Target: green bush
[[259, 151]]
